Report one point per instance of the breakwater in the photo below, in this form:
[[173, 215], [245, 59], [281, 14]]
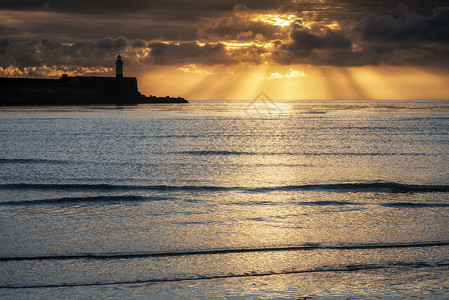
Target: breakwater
[[77, 90]]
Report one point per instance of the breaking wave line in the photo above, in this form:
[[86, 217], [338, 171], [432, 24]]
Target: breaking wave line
[[380, 187], [303, 247], [86, 200], [342, 268]]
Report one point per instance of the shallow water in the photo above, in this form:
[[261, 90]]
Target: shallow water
[[215, 199]]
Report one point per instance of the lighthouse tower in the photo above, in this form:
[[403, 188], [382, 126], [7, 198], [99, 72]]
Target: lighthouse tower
[[119, 67]]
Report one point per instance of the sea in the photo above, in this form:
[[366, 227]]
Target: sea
[[261, 199]]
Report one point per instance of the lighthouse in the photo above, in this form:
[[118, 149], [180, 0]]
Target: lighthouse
[[119, 67]]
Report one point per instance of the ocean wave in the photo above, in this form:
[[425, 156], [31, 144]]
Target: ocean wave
[[304, 203], [130, 199], [314, 112], [237, 153], [385, 187], [31, 161], [414, 205], [328, 203], [306, 246], [376, 187], [109, 187], [242, 274], [209, 152], [86, 200], [324, 203]]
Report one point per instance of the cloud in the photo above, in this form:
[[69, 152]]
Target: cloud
[[172, 9], [291, 74], [5, 45], [110, 44], [325, 47], [304, 40], [23, 54], [189, 53], [398, 27], [248, 54], [404, 38], [20, 54], [398, 38], [193, 69], [240, 25], [89, 34]]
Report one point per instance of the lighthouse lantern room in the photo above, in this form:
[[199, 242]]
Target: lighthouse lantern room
[[119, 67]]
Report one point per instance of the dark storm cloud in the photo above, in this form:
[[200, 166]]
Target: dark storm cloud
[[405, 38], [20, 54], [178, 9], [187, 53], [139, 44], [23, 54], [135, 19], [304, 40], [86, 33], [236, 28], [5, 44], [399, 27], [419, 7], [338, 9], [401, 37], [111, 44], [323, 47]]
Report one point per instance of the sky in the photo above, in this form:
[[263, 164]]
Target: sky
[[234, 50]]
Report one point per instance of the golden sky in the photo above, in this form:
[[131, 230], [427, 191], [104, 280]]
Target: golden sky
[[233, 50]]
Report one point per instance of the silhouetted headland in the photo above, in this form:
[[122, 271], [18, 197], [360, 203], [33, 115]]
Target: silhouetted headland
[[77, 90]]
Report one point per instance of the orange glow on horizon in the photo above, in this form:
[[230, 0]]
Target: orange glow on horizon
[[295, 83]]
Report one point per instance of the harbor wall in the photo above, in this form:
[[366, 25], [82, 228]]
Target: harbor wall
[[69, 90]]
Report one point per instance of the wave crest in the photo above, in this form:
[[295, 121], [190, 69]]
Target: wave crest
[[378, 187]]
